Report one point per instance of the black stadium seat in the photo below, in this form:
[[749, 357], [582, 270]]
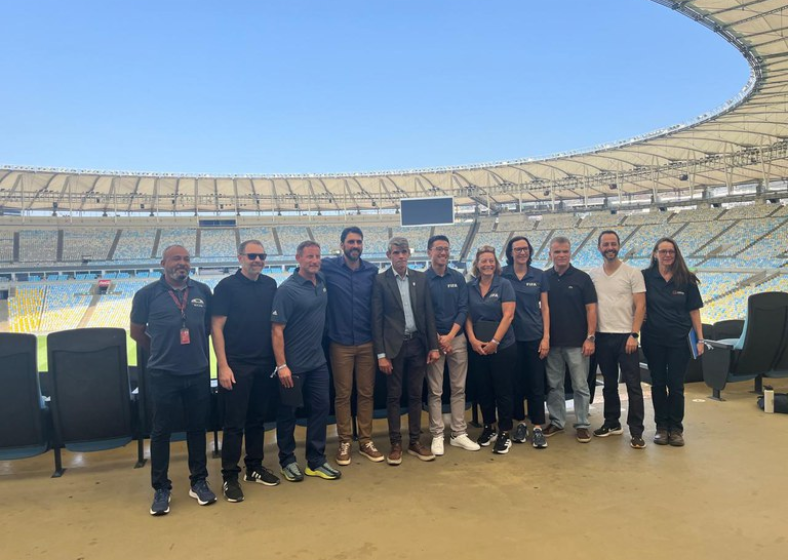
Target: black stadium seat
[[91, 400], [24, 429]]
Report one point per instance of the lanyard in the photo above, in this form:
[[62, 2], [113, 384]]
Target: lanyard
[[181, 305]]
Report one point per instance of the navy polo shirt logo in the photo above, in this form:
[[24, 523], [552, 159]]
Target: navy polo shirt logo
[[494, 295], [451, 285], [531, 284], [197, 302], [678, 293]]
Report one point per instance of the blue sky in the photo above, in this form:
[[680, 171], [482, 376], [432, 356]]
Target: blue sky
[[315, 86]]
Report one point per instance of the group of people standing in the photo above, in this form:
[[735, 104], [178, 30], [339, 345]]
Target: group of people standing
[[518, 329]]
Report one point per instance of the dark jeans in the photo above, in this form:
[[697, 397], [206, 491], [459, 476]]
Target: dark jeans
[[194, 394], [667, 365], [316, 398], [493, 377], [411, 361], [245, 409], [610, 355], [529, 382]]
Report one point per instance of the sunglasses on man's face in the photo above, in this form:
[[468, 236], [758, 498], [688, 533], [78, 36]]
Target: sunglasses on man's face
[[253, 256]]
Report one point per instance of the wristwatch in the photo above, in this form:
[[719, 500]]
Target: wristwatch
[[635, 335], [591, 338]]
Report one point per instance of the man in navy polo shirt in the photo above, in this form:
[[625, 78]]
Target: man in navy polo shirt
[[572, 300], [298, 318], [450, 302], [242, 305], [171, 319], [349, 280]]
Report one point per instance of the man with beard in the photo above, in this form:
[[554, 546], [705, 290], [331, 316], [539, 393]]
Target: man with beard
[[297, 321], [171, 319], [349, 280], [245, 359], [621, 292]]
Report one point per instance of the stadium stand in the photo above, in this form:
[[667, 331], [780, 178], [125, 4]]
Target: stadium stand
[[264, 235], [290, 237], [87, 243], [24, 309], [135, 245], [178, 236], [218, 244], [6, 246], [65, 306], [38, 246]]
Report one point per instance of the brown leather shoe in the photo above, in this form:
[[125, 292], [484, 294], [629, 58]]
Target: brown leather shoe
[[371, 452], [422, 452], [583, 435], [551, 430], [395, 455], [343, 454]]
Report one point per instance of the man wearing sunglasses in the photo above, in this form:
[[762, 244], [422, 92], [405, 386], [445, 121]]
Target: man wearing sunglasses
[[241, 324]]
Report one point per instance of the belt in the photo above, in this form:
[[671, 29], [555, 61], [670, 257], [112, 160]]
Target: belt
[[410, 336]]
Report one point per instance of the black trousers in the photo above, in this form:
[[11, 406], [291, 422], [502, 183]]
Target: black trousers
[[411, 362], [193, 393], [611, 354], [493, 377], [245, 409], [529, 382], [667, 365]]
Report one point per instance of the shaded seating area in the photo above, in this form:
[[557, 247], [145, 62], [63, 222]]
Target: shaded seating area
[[758, 352]]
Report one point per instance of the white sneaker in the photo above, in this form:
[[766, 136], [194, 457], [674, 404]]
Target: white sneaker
[[437, 446], [465, 442]]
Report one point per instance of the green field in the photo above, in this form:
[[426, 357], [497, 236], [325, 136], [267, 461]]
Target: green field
[[131, 353]]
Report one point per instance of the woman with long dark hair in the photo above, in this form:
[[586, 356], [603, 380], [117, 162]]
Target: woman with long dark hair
[[673, 305], [532, 332]]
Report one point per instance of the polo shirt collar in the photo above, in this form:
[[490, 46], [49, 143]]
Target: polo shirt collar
[[529, 274], [189, 283], [394, 272], [362, 264], [568, 272], [305, 280], [654, 273], [432, 274]]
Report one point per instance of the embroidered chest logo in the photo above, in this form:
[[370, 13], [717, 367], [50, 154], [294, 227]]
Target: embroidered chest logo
[[531, 284], [197, 302]]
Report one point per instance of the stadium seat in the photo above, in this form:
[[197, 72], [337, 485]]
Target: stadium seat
[[92, 404], [24, 426], [764, 341]]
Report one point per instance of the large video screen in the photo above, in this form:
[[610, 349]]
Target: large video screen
[[431, 211]]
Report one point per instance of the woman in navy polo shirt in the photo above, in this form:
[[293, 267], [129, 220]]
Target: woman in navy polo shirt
[[673, 305], [532, 331], [491, 303]]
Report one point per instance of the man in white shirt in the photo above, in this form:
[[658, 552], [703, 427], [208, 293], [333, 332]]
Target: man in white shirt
[[621, 292]]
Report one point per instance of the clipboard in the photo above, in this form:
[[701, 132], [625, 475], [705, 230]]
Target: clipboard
[[485, 330], [692, 339], [294, 396]]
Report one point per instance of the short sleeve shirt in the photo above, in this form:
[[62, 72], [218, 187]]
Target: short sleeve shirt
[[154, 307], [528, 323], [301, 306], [570, 292], [489, 307], [616, 307], [668, 307], [449, 299], [247, 304]]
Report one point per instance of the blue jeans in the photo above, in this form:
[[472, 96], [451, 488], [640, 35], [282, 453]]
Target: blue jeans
[[316, 398], [557, 361], [194, 393]]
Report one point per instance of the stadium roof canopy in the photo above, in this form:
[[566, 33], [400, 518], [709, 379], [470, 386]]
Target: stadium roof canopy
[[745, 141]]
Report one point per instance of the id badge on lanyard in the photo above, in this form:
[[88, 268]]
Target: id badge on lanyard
[[181, 305]]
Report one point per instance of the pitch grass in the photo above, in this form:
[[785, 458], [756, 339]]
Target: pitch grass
[[131, 354]]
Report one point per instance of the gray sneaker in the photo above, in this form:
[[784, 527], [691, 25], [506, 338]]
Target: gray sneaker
[[292, 472], [161, 502], [201, 492], [520, 433], [539, 440]]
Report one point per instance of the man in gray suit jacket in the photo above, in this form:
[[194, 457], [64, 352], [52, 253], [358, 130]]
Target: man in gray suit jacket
[[405, 340]]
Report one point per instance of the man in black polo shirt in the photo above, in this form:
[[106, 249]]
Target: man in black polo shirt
[[241, 310], [572, 300], [298, 318], [171, 319]]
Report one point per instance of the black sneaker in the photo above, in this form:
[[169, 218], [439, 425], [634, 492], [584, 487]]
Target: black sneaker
[[637, 442], [201, 492], [502, 443], [488, 436], [606, 430], [261, 475], [232, 491], [520, 433], [539, 440], [161, 502]]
